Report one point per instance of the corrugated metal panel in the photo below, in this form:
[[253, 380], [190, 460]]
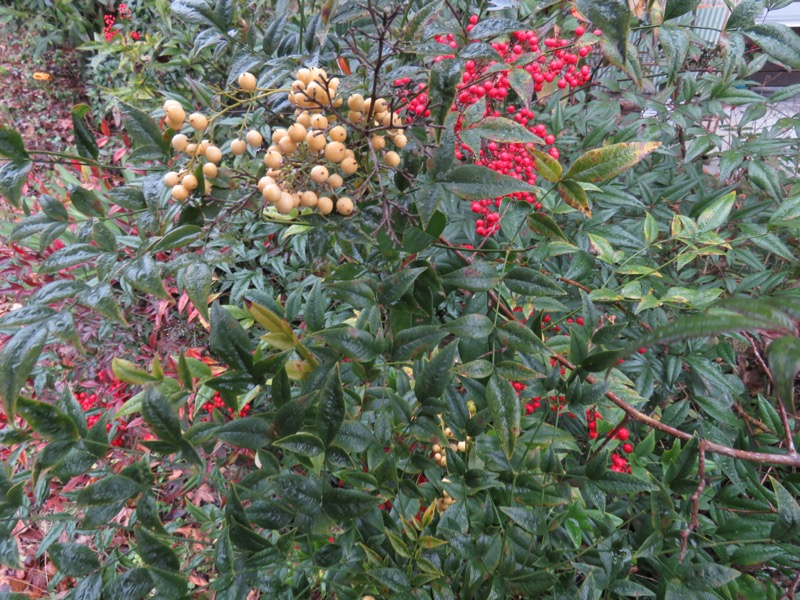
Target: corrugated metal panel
[[710, 18]]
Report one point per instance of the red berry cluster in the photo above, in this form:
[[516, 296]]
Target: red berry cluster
[[619, 462], [545, 63], [217, 403], [110, 20]]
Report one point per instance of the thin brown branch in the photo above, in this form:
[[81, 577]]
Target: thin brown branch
[[695, 499]]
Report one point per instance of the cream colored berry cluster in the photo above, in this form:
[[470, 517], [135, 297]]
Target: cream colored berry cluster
[[311, 162]]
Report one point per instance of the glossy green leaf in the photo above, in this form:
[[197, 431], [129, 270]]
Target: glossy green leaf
[[499, 129], [546, 166], [544, 225], [160, 416], [355, 344], [675, 42], [12, 145], [13, 175], [156, 552], [604, 163], [84, 140], [787, 527], [574, 195], [473, 326], [229, 340], [517, 336], [778, 41], [70, 256], [303, 444], [393, 287], [47, 420], [676, 8], [101, 299], [475, 182], [477, 277], [435, 376], [528, 282], [87, 202], [144, 275], [340, 503], [505, 410], [131, 585], [73, 560], [246, 432], [18, 356], [330, 407], [180, 236], [413, 341], [716, 214], [109, 490], [143, 130]]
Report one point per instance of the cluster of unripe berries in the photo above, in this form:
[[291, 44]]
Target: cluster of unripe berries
[[438, 451]]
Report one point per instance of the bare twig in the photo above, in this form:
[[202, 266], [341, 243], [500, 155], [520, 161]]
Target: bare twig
[[695, 499]]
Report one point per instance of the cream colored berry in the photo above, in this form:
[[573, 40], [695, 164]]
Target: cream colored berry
[[319, 122], [462, 446], [338, 102], [285, 204], [356, 102], [378, 142], [355, 117], [338, 134], [335, 151], [171, 179], [179, 192], [325, 205], [368, 597], [198, 121], [264, 182], [247, 82], [400, 140], [297, 133], [304, 118], [179, 142], [254, 138], [349, 166], [392, 158], [308, 198], [213, 154], [344, 206], [175, 116], [319, 174], [381, 105], [298, 86], [315, 140], [189, 181], [304, 75], [295, 199], [316, 92], [210, 169], [273, 159], [349, 153], [238, 147], [191, 149], [170, 104], [278, 134], [202, 147], [367, 106], [335, 181], [272, 193], [287, 146]]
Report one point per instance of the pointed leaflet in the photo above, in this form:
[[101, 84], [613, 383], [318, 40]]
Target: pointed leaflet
[[778, 41], [612, 16], [159, 414], [716, 214], [784, 362], [331, 408], [73, 560], [17, 359], [229, 340], [11, 145], [475, 182], [87, 202], [498, 129], [435, 376], [144, 275], [676, 8], [197, 279], [504, 407], [142, 129], [547, 166], [607, 162], [47, 420], [544, 225], [84, 140], [574, 195]]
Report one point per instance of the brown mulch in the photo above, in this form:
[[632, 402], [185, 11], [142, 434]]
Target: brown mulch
[[37, 95]]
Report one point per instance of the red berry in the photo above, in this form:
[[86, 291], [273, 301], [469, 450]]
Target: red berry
[[628, 448], [642, 350], [623, 434]]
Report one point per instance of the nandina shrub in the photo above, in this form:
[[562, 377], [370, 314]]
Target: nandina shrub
[[481, 325]]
